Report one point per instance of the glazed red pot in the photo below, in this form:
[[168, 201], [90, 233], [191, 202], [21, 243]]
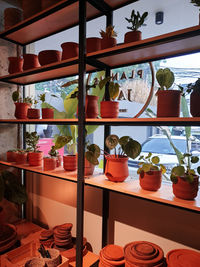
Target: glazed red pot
[[11, 156], [30, 7], [21, 158], [151, 180], [70, 162], [108, 42], [183, 257], [49, 56], [184, 190], [47, 113], [49, 164], [58, 161], [116, 168], [21, 110], [12, 16], [194, 104], [47, 3], [30, 61], [109, 109], [132, 36], [15, 64], [168, 103], [69, 50], [33, 113], [35, 158], [92, 110], [93, 44]]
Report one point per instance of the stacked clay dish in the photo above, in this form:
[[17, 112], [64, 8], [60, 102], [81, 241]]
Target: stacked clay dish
[[111, 255], [8, 237], [63, 236], [46, 238], [183, 258]]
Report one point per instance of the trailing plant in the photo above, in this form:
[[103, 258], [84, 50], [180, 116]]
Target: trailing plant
[[32, 141], [136, 20], [109, 32], [113, 87], [60, 142], [165, 78], [17, 99]]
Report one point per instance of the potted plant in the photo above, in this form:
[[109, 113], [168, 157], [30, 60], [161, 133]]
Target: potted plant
[[35, 157], [185, 179], [110, 108], [11, 155], [21, 156], [137, 21], [150, 173], [168, 103], [116, 169], [21, 105], [33, 113], [108, 37], [91, 158], [47, 111]]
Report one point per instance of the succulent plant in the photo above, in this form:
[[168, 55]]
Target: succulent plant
[[195, 2], [165, 78], [136, 20], [109, 32], [32, 141]]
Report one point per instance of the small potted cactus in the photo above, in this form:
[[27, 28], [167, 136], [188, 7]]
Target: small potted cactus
[[21, 105], [35, 157], [168, 103], [33, 113], [108, 37], [137, 21]]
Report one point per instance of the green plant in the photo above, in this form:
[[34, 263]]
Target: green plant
[[32, 141], [191, 87], [195, 2], [93, 153], [109, 32], [17, 99], [136, 20], [127, 146], [42, 98], [113, 87], [60, 142], [165, 78], [150, 164]]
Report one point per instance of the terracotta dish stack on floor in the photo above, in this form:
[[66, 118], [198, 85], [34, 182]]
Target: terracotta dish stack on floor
[[63, 236], [111, 255], [46, 238]]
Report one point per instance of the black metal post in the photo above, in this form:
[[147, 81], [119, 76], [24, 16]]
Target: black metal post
[[81, 131]]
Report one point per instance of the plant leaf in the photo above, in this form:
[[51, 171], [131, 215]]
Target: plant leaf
[[112, 141]]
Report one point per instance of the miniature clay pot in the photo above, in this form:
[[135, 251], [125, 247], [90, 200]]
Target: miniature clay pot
[[112, 255], [49, 56], [69, 50], [21, 158], [49, 164], [30, 61], [184, 190], [108, 42], [92, 110], [109, 109], [116, 168], [58, 161], [15, 64], [132, 36], [11, 156], [47, 113], [21, 110], [35, 158], [89, 168], [12, 16], [47, 3], [168, 104], [33, 113], [183, 257], [30, 7], [194, 104], [93, 44], [151, 180], [70, 162]]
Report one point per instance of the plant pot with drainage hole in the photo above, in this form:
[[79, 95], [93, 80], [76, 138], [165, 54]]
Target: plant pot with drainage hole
[[35, 157], [21, 105]]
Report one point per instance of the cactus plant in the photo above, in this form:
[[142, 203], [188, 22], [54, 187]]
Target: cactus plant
[[165, 78], [136, 20]]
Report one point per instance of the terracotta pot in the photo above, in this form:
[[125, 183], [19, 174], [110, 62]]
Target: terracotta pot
[[168, 104], [92, 106], [33, 113], [30, 7], [143, 253], [194, 104], [112, 255], [47, 113], [49, 164], [69, 50], [150, 180], [93, 44], [21, 158], [47, 3], [15, 64], [35, 158], [70, 162], [30, 61], [109, 109], [116, 168], [21, 110], [89, 168], [184, 190], [183, 257], [12, 16], [11, 156], [49, 56], [108, 42], [132, 36], [58, 161]]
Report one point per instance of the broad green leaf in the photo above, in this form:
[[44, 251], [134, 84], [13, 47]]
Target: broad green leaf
[[155, 160], [112, 141], [124, 140], [174, 179], [194, 159], [91, 158], [132, 149], [61, 141], [95, 150], [179, 171], [146, 167]]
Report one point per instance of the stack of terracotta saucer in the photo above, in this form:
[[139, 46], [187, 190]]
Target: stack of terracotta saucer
[[143, 253], [183, 257], [111, 255], [46, 238], [8, 237], [63, 236]]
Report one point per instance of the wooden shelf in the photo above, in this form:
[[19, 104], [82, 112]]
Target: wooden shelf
[[59, 17], [40, 121]]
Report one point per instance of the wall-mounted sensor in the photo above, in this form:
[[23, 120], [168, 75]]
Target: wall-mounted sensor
[[159, 17]]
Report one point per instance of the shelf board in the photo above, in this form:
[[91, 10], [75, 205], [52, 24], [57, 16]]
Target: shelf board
[[59, 17], [40, 121]]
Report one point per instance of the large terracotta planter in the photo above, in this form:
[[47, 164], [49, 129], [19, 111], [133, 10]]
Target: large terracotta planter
[[47, 113], [15, 64], [109, 109], [150, 180], [21, 110], [93, 44], [116, 168], [12, 16], [11, 156], [112, 255], [184, 190], [49, 56], [30, 7], [69, 50], [33, 113], [168, 103], [92, 106], [183, 257], [21, 158], [194, 104], [49, 164], [30, 61], [47, 3], [35, 158], [132, 36], [70, 162], [108, 42]]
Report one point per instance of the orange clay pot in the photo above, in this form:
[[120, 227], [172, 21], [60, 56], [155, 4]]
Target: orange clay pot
[[35, 158], [70, 49], [11, 156], [33, 113], [116, 168], [15, 64], [132, 36], [93, 44], [92, 106], [89, 168], [184, 190], [21, 158], [168, 104], [58, 161], [194, 104], [49, 164], [151, 180], [21, 110], [109, 109], [49, 56], [108, 42], [70, 162], [47, 113], [183, 257], [30, 61]]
